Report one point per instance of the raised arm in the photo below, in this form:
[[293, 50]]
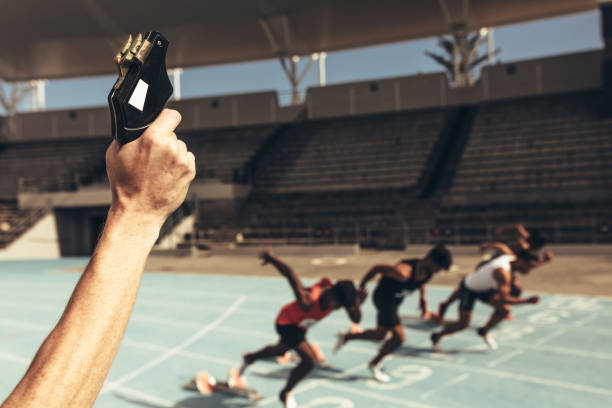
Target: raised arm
[[149, 179], [518, 228], [503, 281], [399, 272], [302, 296], [423, 302], [497, 246]]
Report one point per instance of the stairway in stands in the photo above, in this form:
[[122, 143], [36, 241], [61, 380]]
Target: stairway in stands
[[14, 222]]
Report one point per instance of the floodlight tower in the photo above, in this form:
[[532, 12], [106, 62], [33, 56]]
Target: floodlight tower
[[277, 30]]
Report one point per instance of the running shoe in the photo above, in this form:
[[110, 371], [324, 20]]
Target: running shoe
[[340, 340], [378, 374], [488, 339]]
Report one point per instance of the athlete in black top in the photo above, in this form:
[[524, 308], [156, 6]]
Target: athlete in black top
[[397, 280]]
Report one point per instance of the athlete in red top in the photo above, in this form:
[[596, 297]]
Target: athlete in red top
[[311, 305]]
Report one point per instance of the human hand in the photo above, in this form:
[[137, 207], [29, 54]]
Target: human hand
[[266, 256], [547, 256], [362, 294], [150, 176], [533, 299]]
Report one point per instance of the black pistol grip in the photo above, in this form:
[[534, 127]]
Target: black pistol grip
[[142, 90]]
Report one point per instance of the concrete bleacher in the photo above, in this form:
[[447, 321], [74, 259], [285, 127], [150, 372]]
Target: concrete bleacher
[[222, 153], [367, 152], [43, 166], [537, 149]]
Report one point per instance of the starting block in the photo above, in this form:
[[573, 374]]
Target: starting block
[[206, 384]]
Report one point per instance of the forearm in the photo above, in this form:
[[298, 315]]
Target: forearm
[[422, 300], [72, 363], [368, 277], [511, 300], [294, 281]]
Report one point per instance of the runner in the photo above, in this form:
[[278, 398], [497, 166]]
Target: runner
[[311, 305], [516, 288], [397, 280], [491, 284]]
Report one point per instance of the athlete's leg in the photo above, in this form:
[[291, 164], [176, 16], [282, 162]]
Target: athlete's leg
[[272, 350], [443, 306], [308, 359], [501, 311], [461, 324], [396, 340], [376, 334]]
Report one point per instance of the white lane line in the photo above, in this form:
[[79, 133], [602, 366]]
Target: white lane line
[[25, 325], [505, 358], [519, 377], [546, 339], [307, 385], [140, 316], [586, 320], [536, 345], [147, 398], [177, 349], [312, 383], [563, 350], [396, 402], [14, 358], [452, 382]]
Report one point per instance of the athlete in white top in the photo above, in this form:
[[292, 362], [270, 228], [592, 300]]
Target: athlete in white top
[[490, 283], [483, 279]]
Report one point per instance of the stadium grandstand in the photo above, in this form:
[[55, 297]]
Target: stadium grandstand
[[528, 142]]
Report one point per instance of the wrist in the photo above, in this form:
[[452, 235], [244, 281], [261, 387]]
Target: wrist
[[136, 224]]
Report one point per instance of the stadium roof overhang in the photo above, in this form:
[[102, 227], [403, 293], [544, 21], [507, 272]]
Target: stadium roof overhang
[[68, 38]]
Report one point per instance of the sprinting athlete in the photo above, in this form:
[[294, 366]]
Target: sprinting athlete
[[311, 305], [516, 288], [396, 280], [491, 284]]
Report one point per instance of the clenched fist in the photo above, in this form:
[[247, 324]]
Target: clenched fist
[[150, 176]]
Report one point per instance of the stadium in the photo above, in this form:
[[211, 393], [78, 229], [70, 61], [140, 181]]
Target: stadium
[[300, 197]]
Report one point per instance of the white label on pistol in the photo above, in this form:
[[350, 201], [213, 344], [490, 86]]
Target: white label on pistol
[[137, 99]]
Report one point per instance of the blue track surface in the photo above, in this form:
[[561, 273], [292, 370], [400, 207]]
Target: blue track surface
[[556, 354]]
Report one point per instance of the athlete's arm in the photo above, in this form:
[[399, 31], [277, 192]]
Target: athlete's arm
[[518, 228], [399, 272], [503, 279], [497, 246], [545, 258], [302, 296], [149, 178], [423, 301]]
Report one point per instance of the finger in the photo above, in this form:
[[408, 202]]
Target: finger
[[167, 120], [182, 149], [191, 162]]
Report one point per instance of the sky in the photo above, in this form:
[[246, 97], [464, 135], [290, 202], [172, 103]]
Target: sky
[[561, 35]]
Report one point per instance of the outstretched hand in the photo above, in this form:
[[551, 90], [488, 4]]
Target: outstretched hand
[[266, 256], [547, 256], [533, 300]]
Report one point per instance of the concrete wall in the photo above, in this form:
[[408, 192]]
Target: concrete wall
[[380, 95], [201, 113], [564, 73], [227, 110]]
